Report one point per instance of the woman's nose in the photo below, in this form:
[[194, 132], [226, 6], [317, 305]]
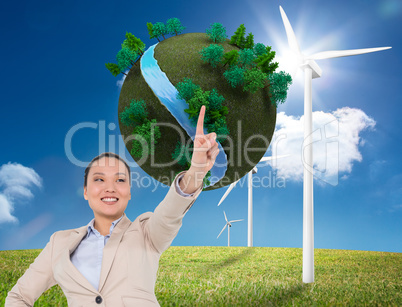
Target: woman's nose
[[110, 188]]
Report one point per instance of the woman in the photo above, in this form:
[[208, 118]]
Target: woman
[[113, 261]]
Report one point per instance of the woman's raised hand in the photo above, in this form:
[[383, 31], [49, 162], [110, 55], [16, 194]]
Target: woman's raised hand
[[205, 147], [204, 156]]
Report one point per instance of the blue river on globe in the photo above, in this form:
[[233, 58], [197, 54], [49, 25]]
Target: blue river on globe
[[167, 95]]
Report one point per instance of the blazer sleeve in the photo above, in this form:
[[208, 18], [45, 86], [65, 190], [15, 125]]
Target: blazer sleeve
[[164, 224], [36, 279]]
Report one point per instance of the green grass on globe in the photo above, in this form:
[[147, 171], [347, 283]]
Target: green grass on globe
[[251, 119]]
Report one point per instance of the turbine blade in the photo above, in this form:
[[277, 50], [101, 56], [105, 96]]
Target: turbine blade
[[236, 221], [341, 53], [221, 231], [225, 217], [273, 158], [228, 191], [289, 32]]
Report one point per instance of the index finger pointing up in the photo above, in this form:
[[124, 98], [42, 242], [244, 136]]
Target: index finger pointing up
[[200, 123]]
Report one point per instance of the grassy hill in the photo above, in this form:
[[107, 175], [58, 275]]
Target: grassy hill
[[178, 56], [257, 276]]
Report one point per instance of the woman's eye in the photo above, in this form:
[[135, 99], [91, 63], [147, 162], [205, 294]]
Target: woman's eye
[[119, 180]]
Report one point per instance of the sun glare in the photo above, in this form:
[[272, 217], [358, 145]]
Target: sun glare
[[311, 39], [314, 35], [289, 62]]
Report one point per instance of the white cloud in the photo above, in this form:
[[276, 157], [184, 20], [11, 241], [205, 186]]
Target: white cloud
[[120, 82], [16, 182], [5, 210], [336, 140], [18, 191], [12, 174]]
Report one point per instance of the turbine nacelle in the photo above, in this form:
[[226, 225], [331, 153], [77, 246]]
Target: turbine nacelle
[[313, 66]]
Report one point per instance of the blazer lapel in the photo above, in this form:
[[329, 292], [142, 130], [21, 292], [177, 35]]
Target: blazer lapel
[[109, 251], [75, 238]]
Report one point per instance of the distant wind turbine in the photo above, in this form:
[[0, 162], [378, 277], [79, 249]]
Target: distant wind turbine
[[250, 196], [228, 223], [311, 71]]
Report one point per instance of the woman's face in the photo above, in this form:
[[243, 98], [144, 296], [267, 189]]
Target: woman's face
[[108, 188]]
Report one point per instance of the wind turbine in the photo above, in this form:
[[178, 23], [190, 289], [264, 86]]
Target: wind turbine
[[228, 223], [250, 196], [311, 71]]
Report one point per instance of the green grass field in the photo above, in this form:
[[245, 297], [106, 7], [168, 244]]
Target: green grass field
[[257, 276]]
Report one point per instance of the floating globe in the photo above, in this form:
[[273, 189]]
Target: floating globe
[[251, 116]]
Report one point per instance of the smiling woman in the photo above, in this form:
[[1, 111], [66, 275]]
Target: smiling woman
[[107, 189], [113, 261]]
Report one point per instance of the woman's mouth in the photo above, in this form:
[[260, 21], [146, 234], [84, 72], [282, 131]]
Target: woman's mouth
[[109, 200]]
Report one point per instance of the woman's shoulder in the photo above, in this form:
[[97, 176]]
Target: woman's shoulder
[[60, 234]]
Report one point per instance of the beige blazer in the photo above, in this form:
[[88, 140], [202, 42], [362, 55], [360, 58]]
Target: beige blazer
[[129, 266]]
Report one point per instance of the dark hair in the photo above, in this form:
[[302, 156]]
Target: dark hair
[[108, 155]]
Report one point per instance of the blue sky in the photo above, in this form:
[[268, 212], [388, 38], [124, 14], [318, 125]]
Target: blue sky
[[53, 78]]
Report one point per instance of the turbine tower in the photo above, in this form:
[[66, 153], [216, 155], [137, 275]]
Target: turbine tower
[[311, 71], [228, 223], [250, 197]]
